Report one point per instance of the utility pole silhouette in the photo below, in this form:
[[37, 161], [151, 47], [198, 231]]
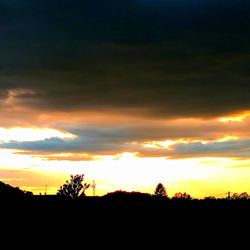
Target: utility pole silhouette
[[93, 186], [229, 195], [45, 193]]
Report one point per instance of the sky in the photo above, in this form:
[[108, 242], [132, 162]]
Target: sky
[[130, 93]]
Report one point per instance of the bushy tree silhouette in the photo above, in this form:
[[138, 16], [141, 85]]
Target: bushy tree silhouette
[[242, 196], [160, 191], [73, 188], [182, 196]]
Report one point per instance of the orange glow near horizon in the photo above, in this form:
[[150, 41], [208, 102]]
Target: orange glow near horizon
[[200, 176]]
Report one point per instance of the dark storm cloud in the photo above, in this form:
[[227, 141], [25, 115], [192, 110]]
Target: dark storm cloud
[[165, 58]]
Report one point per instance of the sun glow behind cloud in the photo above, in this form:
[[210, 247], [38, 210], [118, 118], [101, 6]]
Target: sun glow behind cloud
[[235, 117], [10, 159], [163, 144], [31, 134], [168, 144]]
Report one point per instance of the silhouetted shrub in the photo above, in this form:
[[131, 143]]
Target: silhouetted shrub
[[73, 188]]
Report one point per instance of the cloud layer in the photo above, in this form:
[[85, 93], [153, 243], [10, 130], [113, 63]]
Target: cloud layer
[[184, 138], [147, 58], [122, 74]]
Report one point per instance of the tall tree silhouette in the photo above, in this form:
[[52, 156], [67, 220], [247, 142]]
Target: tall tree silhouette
[[73, 188], [160, 190]]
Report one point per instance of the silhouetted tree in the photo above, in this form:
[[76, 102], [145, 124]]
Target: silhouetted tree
[[242, 196], [160, 190], [73, 188], [182, 196]]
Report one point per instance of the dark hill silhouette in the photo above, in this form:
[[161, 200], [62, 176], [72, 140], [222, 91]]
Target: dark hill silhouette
[[134, 200], [7, 190], [119, 194]]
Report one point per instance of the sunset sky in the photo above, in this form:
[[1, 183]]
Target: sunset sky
[[130, 93]]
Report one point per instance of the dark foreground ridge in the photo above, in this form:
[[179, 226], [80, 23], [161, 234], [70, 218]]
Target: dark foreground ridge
[[15, 198], [124, 201], [119, 206], [130, 213]]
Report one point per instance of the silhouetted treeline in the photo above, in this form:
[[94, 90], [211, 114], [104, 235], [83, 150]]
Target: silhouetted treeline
[[11, 198], [120, 199]]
